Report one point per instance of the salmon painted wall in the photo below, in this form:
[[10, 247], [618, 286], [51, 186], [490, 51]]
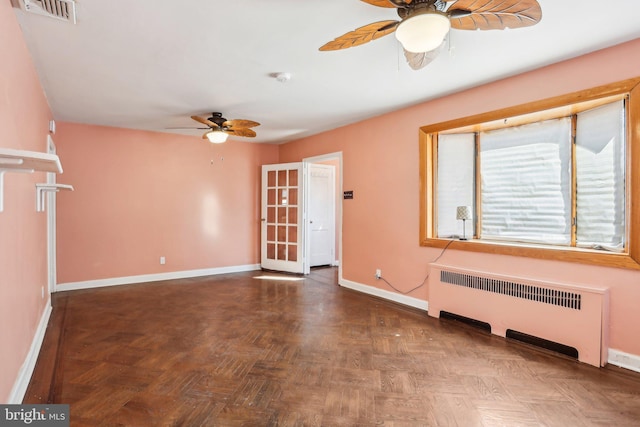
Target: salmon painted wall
[[24, 125], [142, 195], [380, 164]]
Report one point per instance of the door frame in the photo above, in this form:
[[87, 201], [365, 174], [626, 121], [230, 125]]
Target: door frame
[[338, 206]]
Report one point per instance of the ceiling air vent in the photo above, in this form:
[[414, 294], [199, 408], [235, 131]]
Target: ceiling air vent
[[64, 10]]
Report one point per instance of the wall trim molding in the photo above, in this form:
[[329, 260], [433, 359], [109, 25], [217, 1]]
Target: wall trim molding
[[26, 370], [381, 293], [143, 278], [624, 360]]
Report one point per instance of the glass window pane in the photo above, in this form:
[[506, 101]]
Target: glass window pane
[[600, 174], [526, 183], [455, 182]]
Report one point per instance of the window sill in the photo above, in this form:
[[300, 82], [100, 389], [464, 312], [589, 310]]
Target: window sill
[[580, 255]]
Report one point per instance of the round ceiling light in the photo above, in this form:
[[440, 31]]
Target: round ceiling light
[[423, 32]]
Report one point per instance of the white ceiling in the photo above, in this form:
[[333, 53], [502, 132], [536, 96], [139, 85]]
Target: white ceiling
[[150, 64]]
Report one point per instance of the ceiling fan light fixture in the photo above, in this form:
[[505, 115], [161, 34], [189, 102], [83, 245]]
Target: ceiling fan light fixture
[[423, 32], [217, 136]]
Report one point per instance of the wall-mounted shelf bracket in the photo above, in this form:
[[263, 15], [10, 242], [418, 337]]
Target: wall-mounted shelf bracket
[[27, 162], [43, 189]]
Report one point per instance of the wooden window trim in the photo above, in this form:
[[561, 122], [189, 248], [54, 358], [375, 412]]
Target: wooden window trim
[[428, 158]]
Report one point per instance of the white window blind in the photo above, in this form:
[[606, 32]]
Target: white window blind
[[526, 183], [600, 172], [455, 182]]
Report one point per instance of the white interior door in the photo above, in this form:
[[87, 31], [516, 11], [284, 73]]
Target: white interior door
[[321, 214], [282, 205]]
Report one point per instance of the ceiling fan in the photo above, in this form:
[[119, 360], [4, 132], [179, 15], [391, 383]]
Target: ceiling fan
[[425, 23], [220, 128]]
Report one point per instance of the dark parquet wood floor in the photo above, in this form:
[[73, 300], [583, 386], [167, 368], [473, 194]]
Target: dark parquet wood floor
[[233, 350]]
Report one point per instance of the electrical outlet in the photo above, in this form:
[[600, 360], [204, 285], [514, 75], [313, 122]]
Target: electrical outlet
[[378, 273], [162, 260]]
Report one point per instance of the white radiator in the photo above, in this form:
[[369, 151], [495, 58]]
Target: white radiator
[[571, 315]]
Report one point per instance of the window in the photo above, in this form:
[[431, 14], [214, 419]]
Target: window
[[549, 180]]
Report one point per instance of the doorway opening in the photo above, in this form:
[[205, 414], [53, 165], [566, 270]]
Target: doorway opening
[[302, 214], [323, 208]]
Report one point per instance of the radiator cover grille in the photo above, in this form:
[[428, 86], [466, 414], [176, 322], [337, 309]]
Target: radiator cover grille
[[518, 290]]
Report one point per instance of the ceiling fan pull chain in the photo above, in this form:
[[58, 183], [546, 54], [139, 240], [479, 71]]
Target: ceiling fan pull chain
[[452, 47]]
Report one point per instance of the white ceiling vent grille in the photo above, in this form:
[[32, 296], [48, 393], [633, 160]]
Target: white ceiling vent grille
[[64, 10]]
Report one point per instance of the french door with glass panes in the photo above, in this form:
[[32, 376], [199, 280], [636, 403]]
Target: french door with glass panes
[[281, 231]]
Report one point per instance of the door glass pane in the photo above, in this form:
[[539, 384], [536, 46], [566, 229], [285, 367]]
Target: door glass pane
[[293, 178], [282, 196], [282, 215], [271, 196], [293, 215], [271, 215], [282, 178], [282, 252], [293, 197], [293, 234], [271, 251], [282, 234], [293, 252], [271, 179], [271, 233]]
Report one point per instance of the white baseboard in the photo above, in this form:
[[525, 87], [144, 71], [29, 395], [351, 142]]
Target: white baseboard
[[335, 263], [624, 360], [381, 293], [116, 281], [26, 370]]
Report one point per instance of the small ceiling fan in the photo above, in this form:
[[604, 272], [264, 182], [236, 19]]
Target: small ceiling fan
[[220, 128], [425, 23]]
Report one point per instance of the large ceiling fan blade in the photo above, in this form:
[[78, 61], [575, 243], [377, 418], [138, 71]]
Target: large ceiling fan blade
[[362, 35], [420, 60], [249, 133], [495, 14], [380, 3], [204, 121], [240, 124], [176, 128]]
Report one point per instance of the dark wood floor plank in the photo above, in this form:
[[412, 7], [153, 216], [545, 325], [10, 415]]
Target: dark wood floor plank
[[235, 350]]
